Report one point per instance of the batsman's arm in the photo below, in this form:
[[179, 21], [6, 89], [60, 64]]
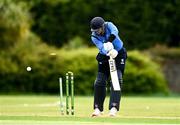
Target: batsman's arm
[[111, 38], [113, 31], [99, 45]]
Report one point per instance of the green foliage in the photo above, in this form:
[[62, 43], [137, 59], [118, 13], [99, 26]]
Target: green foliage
[[46, 68], [14, 23], [154, 22], [82, 62], [143, 75], [75, 43], [165, 52], [66, 23], [57, 22]]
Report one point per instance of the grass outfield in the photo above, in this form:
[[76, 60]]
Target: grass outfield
[[44, 110]]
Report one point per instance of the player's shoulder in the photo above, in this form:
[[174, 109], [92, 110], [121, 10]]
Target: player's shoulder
[[110, 24]]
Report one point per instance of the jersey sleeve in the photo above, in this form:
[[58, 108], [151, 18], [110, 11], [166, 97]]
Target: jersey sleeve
[[113, 29], [99, 45], [117, 43]]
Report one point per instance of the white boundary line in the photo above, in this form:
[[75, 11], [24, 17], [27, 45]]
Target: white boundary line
[[151, 117], [30, 122]]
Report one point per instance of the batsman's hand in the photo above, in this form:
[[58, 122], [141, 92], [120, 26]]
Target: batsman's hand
[[108, 46], [112, 53]]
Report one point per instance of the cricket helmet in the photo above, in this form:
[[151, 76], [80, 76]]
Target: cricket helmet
[[96, 23]]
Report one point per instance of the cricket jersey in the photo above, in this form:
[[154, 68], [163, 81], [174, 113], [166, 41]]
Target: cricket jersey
[[99, 40]]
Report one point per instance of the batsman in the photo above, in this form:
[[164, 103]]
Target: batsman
[[111, 62]]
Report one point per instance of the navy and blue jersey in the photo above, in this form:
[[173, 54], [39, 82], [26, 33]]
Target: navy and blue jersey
[[99, 40]]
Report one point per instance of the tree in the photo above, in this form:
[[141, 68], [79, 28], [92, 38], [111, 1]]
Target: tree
[[142, 24], [14, 23]]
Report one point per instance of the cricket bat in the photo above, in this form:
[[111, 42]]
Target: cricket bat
[[114, 75]]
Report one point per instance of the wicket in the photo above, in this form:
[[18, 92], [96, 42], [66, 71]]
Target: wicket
[[69, 89]]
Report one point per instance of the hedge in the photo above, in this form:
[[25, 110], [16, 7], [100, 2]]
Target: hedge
[[142, 75]]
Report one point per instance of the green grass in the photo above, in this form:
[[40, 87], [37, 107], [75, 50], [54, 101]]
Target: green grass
[[44, 110]]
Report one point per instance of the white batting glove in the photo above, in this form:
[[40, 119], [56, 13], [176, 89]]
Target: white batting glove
[[108, 46], [113, 53]]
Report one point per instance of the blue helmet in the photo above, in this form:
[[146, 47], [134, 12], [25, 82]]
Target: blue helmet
[[96, 23]]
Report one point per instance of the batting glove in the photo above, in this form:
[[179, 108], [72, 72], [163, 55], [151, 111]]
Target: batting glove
[[108, 46], [113, 53]]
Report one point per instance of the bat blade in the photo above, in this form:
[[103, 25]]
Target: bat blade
[[114, 75]]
